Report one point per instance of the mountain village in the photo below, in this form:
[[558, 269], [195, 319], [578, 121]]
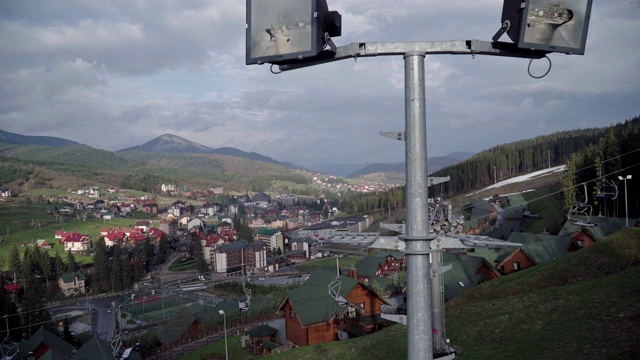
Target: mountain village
[[278, 235]]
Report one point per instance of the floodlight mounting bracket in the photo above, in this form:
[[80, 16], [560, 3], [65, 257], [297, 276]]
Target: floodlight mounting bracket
[[329, 41], [506, 25]]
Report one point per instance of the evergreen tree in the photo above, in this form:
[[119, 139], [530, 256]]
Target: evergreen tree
[[71, 260], [45, 265], [101, 265], [139, 263], [116, 268], [163, 247], [201, 263], [25, 265], [8, 308], [61, 268], [35, 260], [244, 230], [14, 262], [148, 253], [34, 314]]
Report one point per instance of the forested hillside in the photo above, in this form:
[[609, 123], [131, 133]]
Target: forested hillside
[[599, 166], [69, 166], [508, 160]]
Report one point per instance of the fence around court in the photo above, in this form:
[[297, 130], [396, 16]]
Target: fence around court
[[163, 306]]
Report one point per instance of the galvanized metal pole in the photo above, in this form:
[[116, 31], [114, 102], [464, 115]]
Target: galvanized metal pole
[[626, 205], [419, 342], [423, 325], [437, 305]]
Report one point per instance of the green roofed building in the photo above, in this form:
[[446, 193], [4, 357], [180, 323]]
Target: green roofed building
[[328, 307], [465, 273], [72, 283], [44, 344], [96, 349]]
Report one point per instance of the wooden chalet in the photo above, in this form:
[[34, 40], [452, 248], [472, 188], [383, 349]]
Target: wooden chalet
[[314, 316], [367, 269], [466, 272]]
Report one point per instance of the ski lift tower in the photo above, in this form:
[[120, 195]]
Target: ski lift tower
[[293, 34]]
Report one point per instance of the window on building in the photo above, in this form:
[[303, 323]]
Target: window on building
[[292, 313], [516, 266], [581, 243], [352, 312]]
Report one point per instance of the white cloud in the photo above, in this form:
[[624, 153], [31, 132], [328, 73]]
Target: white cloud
[[131, 70]]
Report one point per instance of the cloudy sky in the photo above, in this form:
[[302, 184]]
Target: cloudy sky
[[114, 74]]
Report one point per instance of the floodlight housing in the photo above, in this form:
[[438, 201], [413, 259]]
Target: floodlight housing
[[548, 25], [281, 31]]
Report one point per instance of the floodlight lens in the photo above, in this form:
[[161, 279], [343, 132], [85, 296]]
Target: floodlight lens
[[285, 33], [556, 25], [547, 14], [281, 30]]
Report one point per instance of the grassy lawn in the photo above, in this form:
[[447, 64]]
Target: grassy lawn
[[236, 351], [18, 225], [390, 343], [312, 266], [583, 306], [188, 264]]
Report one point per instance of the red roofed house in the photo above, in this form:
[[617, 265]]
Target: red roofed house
[[76, 242], [112, 238], [61, 234], [143, 225], [155, 234], [137, 238]]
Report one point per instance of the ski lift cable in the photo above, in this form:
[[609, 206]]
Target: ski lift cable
[[585, 168], [562, 190], [607, 160]]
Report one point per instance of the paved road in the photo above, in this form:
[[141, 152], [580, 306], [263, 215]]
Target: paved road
[[102, 315]]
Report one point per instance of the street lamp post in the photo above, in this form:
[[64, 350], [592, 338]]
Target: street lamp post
[[626, 207], [224, 319]]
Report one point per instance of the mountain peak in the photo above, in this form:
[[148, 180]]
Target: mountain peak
[[169, 143]]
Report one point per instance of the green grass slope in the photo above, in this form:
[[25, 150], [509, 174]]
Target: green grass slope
[[583, 306], [390, 343]]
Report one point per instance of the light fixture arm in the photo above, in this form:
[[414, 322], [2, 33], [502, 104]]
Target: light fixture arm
[[451, 47]]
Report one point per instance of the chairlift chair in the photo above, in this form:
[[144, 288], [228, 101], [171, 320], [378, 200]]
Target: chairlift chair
[[8, 348], [334, 287], [582, 209], [607, 190], [334, 291]]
